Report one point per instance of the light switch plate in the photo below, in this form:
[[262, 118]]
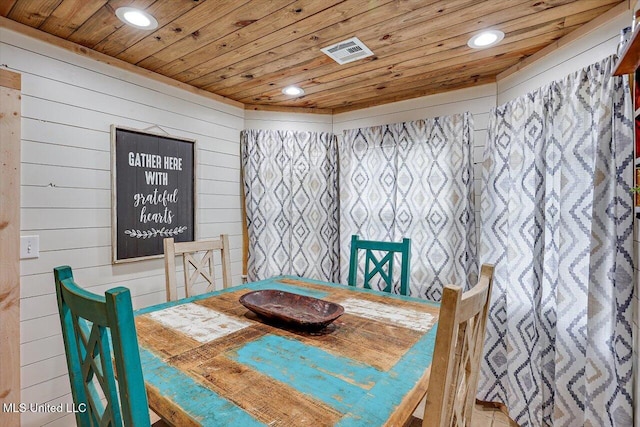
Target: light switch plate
[[29, 247]]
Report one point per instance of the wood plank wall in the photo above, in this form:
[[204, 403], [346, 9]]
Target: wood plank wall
[[68, 104], [9, 244]]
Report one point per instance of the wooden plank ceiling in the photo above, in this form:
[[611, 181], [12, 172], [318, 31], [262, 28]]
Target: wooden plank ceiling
[[248, 50]]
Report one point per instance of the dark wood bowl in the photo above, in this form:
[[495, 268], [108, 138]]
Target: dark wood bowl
[[295, 310]]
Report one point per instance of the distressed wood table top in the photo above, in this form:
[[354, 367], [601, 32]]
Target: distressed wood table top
[[209, 361]]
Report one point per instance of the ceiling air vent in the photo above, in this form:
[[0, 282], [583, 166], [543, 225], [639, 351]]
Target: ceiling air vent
[[347, 51]]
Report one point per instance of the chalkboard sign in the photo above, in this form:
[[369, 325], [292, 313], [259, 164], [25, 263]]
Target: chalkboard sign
[[153, 192]]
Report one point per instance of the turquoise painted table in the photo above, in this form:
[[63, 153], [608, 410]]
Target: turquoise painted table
[[209, 361]]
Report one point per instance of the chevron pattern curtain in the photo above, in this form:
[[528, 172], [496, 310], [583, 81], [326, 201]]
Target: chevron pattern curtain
[[291, 199], [556, 220], [415, 180]]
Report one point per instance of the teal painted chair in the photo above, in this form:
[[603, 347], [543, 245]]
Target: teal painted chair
[[98, 332], [382, 267]]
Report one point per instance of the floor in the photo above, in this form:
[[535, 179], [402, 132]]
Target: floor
[[483, 416], [490, 417]]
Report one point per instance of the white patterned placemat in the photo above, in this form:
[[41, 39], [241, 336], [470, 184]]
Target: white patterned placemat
[[412, 319], [200, 323]]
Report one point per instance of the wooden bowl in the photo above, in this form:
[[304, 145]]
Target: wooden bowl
[[295, 310]]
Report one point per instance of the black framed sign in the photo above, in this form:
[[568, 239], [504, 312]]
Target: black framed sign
[[153, 192]]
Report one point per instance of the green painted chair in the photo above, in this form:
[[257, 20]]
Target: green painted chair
[[93, 326], [383, 266]]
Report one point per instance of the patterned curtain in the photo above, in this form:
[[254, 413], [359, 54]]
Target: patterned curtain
[[413, 180], [556, 218], [291, 200]]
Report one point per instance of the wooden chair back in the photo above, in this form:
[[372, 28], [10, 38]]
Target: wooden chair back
[[383, 266], [198, 262], [98, 332], [456, 359]]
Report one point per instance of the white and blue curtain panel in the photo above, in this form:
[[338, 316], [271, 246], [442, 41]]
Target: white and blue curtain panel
[[414, 180], [291, 198], [556, 220]]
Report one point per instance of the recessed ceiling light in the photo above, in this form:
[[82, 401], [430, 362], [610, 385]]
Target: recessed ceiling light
[[293, 91], [485, 39], [136, 18]]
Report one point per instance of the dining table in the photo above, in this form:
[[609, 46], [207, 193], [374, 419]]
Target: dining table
[[208, 360]]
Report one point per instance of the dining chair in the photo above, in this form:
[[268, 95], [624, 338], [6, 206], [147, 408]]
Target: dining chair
[[456, 358], [383, 266], [197, 258], [98, 332]]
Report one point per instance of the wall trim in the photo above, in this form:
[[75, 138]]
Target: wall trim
[[283, 109], [10, 79], [10, 117]]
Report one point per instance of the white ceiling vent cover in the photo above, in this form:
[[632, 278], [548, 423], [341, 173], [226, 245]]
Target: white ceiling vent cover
[[347, 51]]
